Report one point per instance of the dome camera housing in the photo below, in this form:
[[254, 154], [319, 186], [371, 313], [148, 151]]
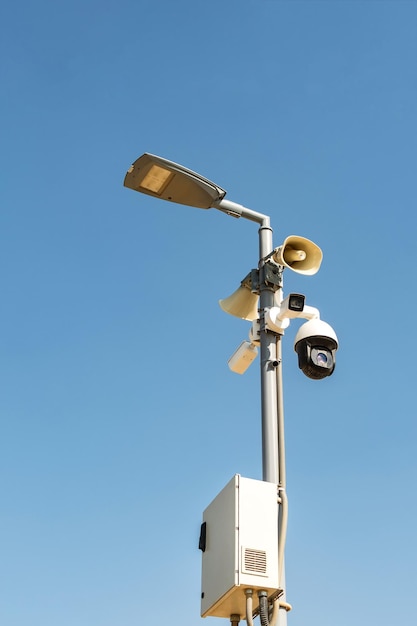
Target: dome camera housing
[[316, 344]]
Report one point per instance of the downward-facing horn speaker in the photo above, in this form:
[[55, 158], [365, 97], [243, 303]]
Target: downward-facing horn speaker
[[242, 303]]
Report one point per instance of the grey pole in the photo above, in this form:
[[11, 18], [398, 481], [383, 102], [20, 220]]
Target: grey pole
[[272, 406], [268, 344], [268, 357]]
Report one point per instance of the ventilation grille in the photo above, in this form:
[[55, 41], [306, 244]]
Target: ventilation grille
[[254, 562]]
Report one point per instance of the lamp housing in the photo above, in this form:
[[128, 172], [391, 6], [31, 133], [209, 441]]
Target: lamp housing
[[160, 178]]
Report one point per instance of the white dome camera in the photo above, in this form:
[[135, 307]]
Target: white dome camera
[[316, 344]]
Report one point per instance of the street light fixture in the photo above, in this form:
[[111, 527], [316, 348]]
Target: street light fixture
[[164, 179], [167, 180], [258, 299]]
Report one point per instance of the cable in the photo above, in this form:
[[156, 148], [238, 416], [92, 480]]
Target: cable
[[282, 484], [263, 608], [249, 604]]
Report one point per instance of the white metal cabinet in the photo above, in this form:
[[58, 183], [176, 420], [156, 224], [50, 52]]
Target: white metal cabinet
[[239, 539]]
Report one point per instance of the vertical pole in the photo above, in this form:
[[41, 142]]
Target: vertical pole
[[268, 356], [271, 391]]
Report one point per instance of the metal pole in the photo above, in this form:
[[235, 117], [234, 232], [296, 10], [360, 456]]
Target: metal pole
[[269, 387], [268, 356], [273, 466]]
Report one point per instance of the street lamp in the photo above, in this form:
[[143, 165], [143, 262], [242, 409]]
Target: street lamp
[[259, 300]]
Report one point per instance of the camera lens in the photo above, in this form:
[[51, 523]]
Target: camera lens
[[316, 361], [321, 358]]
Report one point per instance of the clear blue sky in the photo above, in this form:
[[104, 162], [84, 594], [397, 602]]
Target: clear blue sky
[[119, 418]]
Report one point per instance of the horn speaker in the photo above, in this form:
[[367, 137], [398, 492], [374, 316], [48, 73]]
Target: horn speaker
[[299, 254], [242, 303]]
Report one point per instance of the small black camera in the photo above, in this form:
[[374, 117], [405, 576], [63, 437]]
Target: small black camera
[[296, 302]]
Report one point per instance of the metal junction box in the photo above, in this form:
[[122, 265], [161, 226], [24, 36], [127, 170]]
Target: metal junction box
[[239, 541]]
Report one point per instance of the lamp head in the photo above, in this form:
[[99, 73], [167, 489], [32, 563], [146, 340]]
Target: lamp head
[[167, 180]]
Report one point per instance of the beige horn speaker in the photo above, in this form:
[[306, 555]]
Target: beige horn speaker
[[242, 303], [299, 254]]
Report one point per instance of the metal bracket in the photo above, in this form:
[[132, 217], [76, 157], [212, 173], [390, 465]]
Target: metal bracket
[[272, 275], [251, 281]]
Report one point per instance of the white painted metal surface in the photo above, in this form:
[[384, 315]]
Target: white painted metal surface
[[241, 548]]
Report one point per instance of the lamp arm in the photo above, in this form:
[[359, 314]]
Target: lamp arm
[[238, 210]]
